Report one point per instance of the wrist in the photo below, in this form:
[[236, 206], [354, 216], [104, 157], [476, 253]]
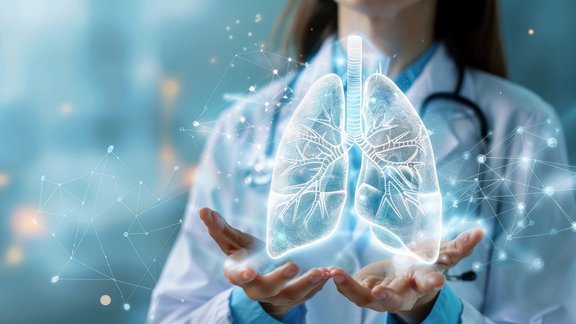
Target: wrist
[[420, 311], [278, 312]]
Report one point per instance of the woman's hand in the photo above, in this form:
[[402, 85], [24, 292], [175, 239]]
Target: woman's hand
[[276, 291], [408, 293]]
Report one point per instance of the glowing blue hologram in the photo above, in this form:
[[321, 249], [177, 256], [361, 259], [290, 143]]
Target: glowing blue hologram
[[308, 189], [397, 190]]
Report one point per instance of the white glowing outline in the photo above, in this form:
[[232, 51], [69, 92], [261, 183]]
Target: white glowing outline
[[322, 155]]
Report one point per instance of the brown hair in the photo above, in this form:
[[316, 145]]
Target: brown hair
[[469, 29]]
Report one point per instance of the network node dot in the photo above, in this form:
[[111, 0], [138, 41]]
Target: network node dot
[[477, 266], [242, 119], [182, 129], [549, 191], [509, 237], [196, 123], [125, 234], [520, 130], [252, 89], [119, 199], [521, 206], [502, 256], [43, 178], [105, 300], [538, 264], [55, 279], [176, 167], [275, 72], [481, 158], [552, 142], [573, 227], [126, 307], [110, 149], [466, 155]]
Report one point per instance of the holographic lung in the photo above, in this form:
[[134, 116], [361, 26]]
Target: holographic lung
[[397, 190]]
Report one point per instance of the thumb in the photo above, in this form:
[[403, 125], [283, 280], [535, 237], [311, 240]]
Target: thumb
[[228, 238]]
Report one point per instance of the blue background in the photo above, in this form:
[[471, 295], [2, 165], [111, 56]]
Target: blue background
[[78, 76]]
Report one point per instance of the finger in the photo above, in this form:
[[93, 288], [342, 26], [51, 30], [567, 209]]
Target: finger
[[306, 286], [404, 291], [370, 281], [265, 286], [239, 275], [227, 237], [462, 246], [350, 288]]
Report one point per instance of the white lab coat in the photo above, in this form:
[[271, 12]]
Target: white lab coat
[[192, 287]]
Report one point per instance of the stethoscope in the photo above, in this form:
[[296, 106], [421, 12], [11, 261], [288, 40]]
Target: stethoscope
[[260, 176]]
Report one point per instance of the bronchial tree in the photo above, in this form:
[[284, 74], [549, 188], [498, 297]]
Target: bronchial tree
[[397, 190]]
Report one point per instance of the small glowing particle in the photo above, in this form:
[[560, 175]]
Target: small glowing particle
[[502, 256], [521, 206], [574, 227], [55, 279], [213, 60], [110, 149], [530, 31], [196, 123], [275, 71], [43, 178], [549, 191], [249, 34], [242, 119], [289, 59], [266, 104], [525, 159], [125, 234], [538, 264], [119, 199], [176, 168], [126, 307], [520, 130], [227, 28], [105, 300], [509, 237], [140, 182], [552, 142], [466, 155], [237, 21], [372, 100], [258, 18], [477, 266], [481, 158], [252, 89], [230, 36]]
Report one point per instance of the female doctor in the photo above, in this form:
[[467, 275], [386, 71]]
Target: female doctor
[[447, 57]]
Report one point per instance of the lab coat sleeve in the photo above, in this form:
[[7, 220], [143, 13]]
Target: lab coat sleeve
[[447, 309], [533, 249], [247, 311], [192, 288]]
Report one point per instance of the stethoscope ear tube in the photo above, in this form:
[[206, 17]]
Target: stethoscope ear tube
[[456, 96]]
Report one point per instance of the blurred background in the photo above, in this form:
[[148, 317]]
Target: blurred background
[[95, 98]]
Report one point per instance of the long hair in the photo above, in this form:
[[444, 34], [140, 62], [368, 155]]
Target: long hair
[[469, 29]]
